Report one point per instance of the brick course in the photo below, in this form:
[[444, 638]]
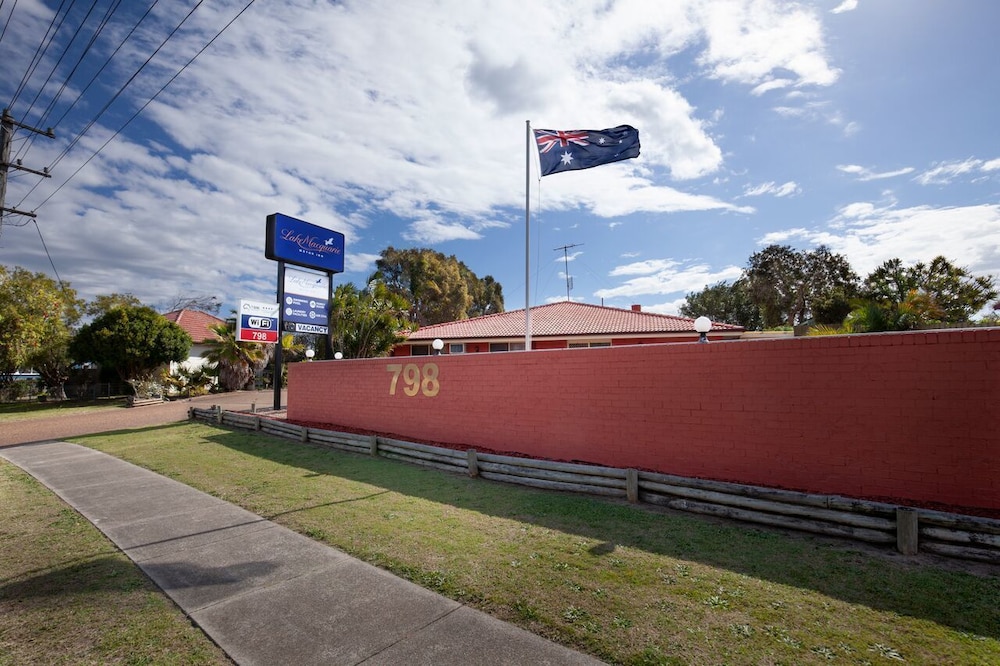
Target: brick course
[[909, 416]]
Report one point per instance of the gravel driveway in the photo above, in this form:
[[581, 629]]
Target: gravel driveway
[[61, 426]]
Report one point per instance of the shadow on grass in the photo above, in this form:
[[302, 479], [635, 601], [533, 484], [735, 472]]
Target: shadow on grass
[[877, 578], [34, 407], [79, 577]]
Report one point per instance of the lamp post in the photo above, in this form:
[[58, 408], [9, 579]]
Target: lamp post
[[703, 325], [438, 345]]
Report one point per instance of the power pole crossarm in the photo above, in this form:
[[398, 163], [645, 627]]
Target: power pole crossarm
[[7, 125]]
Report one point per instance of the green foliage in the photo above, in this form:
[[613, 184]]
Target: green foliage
[[188, 382], [369, 322], [790, 287], [726, 303], [105, 303], [134, 340], [438, 288], [237, 363], [922, 295], [36, 319]]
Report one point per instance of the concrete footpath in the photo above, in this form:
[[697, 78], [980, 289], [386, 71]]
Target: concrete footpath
[[265, 594]]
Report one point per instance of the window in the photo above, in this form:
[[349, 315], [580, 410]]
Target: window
[[506, 346], [420, 350], [584, 345], [456, 348]]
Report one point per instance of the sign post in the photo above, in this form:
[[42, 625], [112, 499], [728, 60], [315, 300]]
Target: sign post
[[293, 241]]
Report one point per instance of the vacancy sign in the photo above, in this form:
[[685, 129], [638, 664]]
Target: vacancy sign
[[258, 322], [305, 308]]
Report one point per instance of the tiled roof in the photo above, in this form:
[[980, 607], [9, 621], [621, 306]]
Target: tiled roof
[[563, 319], [196, 323]]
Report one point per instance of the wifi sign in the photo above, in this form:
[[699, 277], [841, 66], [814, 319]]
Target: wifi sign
[[258, 322]]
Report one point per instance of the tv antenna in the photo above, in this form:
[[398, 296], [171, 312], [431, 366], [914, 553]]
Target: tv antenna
[[569, 278]]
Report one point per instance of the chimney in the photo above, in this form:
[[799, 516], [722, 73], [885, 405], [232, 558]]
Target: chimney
[[636, 308]]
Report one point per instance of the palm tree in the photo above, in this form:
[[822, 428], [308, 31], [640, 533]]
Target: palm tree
[[369, 322], [237, 362]]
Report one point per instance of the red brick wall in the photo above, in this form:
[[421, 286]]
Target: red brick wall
[[911, 416]]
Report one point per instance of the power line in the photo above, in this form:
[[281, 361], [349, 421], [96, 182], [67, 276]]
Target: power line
[[112, 8], [148, 102], [43, 46], [55, 66], [46, 247]]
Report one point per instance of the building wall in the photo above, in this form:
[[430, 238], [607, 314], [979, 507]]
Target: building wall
[[909, 416]]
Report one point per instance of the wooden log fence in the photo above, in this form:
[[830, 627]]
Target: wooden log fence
[[910, 529]]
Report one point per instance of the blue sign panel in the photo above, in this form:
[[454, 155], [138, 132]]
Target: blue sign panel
[[303, 244], [304, 307], [299, 309]]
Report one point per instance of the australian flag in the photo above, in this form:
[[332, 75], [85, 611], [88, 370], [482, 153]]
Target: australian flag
[[560, 151]]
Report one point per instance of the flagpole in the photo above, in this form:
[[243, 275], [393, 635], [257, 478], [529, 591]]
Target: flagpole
[[527, 235]]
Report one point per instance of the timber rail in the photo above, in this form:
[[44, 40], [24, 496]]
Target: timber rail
[[909, 529]]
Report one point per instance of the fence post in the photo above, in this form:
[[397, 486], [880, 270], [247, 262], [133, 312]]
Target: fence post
[[190, 413], [473, 462], [218, 414], [304, 435], [907, 531], [374, 446], [256, 423], [253, 407], [632, 485]]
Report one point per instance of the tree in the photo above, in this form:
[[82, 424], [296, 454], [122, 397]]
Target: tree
[[921, 295], [134, 340], [725, 302], [237, 362], [209, 304], [369, 322], [790, 287], [438, 288], [487, 296], [36, 319], [108, 302]]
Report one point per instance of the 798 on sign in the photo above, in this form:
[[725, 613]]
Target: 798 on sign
[[416, 379]]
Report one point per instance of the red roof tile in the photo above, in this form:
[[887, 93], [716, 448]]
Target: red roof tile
[[196, 323], [564, 318]]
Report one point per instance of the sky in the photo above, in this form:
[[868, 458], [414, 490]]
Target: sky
[[865, 125]]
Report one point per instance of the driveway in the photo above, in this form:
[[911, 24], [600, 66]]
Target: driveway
[[61, 426]]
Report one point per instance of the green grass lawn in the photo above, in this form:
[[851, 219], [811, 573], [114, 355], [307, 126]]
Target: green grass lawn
[[68, 596], [629, 584], [28, 409]]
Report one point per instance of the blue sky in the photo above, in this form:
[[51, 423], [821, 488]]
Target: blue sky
[[868, 126]]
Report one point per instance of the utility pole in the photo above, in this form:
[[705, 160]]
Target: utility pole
[[569, 280], [7, 125]]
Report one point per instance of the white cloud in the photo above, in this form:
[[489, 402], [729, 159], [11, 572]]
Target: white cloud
[[748, 42], [868, 234], [865, 174], [944, 173], [991, 165], [770, 187], [431, 230], [644, 267], [845, 6], [665, 276], [350, 114], [569, 256], [669, 308]]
